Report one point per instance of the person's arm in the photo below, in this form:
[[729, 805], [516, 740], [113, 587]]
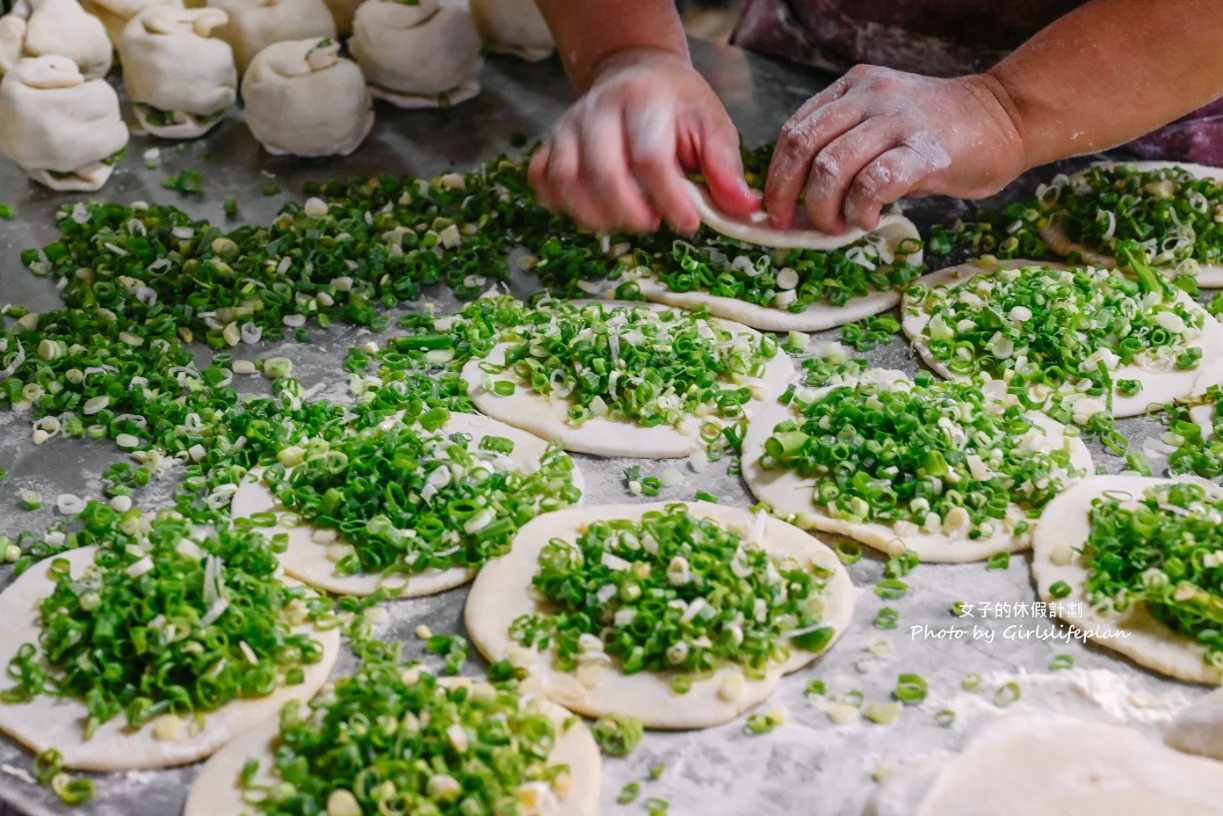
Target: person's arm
[[617, 159], [1098, 77]]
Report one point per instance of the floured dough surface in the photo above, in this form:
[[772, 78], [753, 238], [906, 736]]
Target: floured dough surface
[[1063, 528], [1055, 767], [513, 27], [547, 416], [216, 792], [502, 593], [307, 561], [790, 494], [56, 722], [1209, 276], [1199, 728], [1160, 386]]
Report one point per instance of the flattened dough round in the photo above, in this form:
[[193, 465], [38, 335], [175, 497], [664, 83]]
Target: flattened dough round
[[1199, 728], [1055, 767], [501, 594], [1063, 528], [55, 722], [216, 792], [1210, 276], [790, 494], [307, 561], [547, 417], [1159, 387]]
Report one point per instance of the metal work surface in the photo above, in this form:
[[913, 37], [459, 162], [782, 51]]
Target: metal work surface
[[810, 765]]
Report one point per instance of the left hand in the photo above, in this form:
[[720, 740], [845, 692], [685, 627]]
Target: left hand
[[877, 135]]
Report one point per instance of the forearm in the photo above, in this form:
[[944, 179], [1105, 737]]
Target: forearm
[[1110, 72], [588, 32]]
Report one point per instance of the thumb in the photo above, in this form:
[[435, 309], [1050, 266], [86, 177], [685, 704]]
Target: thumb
[[722, 167]]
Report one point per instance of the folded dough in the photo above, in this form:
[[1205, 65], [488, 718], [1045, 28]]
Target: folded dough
[[59, 127], [179, 75], [1199, 728], [255, 24], [39, 28], [421, 56], [116, 14], [513, 27], [303, 99]]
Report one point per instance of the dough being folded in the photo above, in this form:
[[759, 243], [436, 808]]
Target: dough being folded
[[513, 27], [40, 28], [181, 77], [303, 99], [59, 127], [421, 56], [116, 14], [255, 24]]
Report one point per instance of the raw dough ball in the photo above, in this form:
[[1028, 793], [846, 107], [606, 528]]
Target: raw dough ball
[[255, 24], [502, 593], [513, 27], [303, 99], [1199, 728], [173, 63], [342, 12], [1055, 767], [421, 56], [40, 28], [59, 127], [116, 14], [56, 722]]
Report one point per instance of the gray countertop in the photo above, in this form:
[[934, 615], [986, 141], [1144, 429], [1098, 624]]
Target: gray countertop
[[809, 766]]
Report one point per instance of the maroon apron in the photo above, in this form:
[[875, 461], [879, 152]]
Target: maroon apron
[[941, 38]]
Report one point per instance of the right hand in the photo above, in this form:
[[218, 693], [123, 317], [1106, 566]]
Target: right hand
[[617, 159]]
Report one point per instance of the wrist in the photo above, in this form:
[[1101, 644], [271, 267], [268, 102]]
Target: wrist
[[1007, 117]]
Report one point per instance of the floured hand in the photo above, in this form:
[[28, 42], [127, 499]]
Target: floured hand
[[617, 159], [877, 135]]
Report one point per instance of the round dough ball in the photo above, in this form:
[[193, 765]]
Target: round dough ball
[[255, 24], [173, 62], [116, 14], [40, 28], [513, 27], [59, 127], [419, 56], [303, 99]]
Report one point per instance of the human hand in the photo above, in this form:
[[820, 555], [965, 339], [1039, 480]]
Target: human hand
[[617, 159], [877, 135]]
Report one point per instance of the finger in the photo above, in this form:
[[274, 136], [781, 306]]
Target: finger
[[653, 153], [838, 164], [798, 146], [722, 166], [566, 183], [888, 178], [537, 175], [606, 173]]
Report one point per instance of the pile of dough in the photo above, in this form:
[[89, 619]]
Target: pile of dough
[[60, 128], [417, 56], [502, 593], [173, 64], [116, 14], [790, 494], [216, 792], [1199, 728], [303, 99], [513, 27], [255, 24], [1064, 527], [342, 11], [1160, 385], [56, 722], [547, 416], [1209, 275], [892, 232], [1054, 766], [56, 28], [306, 560]]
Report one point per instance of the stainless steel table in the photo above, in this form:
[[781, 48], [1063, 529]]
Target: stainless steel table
[[809, 766]]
